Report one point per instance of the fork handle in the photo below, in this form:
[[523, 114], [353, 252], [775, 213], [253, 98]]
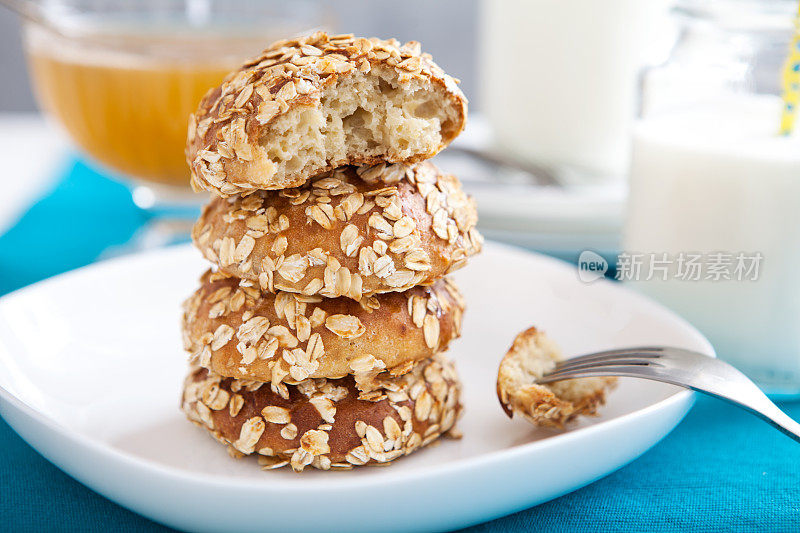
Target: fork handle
[[770, 412], [738, 389]]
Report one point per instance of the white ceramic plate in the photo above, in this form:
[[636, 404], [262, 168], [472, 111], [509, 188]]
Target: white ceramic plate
[[91, 367]]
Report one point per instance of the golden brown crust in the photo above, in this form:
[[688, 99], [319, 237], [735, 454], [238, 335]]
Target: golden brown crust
[[354, 232], [531, 356], [223, 149], [324, 423], [237, 331]]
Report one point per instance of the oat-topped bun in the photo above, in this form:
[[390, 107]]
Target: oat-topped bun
[[306, 106], [237, 331], [323, 423], [531, 356], [353, 232]]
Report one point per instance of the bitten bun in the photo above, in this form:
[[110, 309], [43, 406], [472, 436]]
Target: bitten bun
[[307, 106]]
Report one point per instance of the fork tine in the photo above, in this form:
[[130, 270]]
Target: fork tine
[[613, 357], [624, 370], [615, 363], [654, 351], [610, 361], [635, 353]]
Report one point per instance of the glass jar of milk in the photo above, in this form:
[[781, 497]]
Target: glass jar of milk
[[714, 211]]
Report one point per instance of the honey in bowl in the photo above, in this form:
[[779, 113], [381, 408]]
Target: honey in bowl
[[125, 96]]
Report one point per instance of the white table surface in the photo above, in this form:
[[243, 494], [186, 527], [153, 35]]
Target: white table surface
[[32, 151]]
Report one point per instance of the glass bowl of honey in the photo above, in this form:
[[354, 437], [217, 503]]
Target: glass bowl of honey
[[123, 76]]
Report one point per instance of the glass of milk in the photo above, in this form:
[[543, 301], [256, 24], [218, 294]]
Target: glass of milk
[[712, 178], [559, 80]]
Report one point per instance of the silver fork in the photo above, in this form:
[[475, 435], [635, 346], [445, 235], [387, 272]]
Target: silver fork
[[681, 367]]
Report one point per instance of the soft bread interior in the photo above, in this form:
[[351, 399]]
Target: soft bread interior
[[531, 356], [361, 115]]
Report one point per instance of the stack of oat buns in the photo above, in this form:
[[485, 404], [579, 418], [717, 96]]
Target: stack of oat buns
[[317, 336]]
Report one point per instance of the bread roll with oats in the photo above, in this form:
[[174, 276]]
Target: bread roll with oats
[[235, 330], [309, 105], [531, 356], [352, 232], [324, 423]]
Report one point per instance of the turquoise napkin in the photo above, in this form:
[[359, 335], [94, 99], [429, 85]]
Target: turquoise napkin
[[69, 227]]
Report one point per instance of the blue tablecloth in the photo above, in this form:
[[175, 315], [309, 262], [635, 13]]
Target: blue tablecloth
[[720, 470]]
